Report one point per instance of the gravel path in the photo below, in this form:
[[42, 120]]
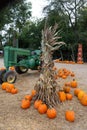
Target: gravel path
[[13, 117]]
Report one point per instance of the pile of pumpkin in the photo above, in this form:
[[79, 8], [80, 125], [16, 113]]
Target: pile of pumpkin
[[39, 105], [10, 68], [10, 88], [63, 73], [68, 62], [79, 93], [64, 95], [51, 112], [64, 61]]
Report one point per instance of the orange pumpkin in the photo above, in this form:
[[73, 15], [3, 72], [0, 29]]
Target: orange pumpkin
[[4, 85], [66, 89], [9, 87], [54, 68], [72, 74], [14, 90], [12, 68], [67, 84], [81, 94], [25, 104], [69, 96], [60, 74], [51, 113], [33, 93], [62, 96], [42, 108], [64, 76], [76, 91], [37, 103], [84, 100], [74, 83], [70, 115], [2, 68], [28, 97]]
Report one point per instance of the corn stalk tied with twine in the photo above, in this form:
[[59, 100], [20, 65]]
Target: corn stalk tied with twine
[[46, 84]]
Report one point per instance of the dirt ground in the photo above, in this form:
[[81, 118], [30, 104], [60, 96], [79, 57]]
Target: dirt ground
[[13, 117]]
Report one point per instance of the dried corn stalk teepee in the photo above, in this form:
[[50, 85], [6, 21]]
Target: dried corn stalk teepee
[[46, 85]]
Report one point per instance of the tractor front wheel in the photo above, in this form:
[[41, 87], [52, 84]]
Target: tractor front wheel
[[2, 72], [10, 76], [21, 69]]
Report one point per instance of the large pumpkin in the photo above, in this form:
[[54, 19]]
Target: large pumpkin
[[84, 100], [81, 94], [70, 115], [25, 104], [76, 91], [51, 113], [37, 103], [42, 108]]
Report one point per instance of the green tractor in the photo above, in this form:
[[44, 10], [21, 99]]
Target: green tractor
[[21, 59]]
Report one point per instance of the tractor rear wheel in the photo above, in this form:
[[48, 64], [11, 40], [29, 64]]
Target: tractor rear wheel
[[2, 72], [21, 69], [10, 76]]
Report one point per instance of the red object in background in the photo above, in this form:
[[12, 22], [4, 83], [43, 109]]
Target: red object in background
[[79, 55]]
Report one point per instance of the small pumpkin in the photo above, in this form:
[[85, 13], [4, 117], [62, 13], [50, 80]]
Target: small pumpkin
[[9, 87], [42, 108], [66, 73], [74, 83], [62, 96], [37, 103], [28, 97], [25, 104], [67, 84], [70, 115], [4, 85], [14, 90], [33, 93], [76, 91], [3, 68], [12, 68], [66, 89], [72, 74], [60, 74], [54, 68], [69, 96], [64, 76], [51, 113]]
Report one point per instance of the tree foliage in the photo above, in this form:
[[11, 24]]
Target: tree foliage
[[71, 16], [13, 19]]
